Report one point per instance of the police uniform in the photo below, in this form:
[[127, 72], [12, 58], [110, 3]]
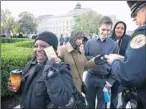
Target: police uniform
[[135, 6], [131, 72]]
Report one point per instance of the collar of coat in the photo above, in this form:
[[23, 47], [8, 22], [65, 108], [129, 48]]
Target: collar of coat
[[70, 48]]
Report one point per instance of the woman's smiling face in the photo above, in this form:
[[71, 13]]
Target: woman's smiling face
[[39, 47]]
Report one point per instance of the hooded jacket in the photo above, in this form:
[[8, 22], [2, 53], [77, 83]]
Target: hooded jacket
[[70, 54], [124, 41]]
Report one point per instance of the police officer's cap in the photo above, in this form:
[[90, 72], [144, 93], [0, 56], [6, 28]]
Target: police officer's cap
[[135, 6]]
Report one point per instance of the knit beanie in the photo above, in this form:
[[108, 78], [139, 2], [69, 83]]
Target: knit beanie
[[76, 34], [48, 37]]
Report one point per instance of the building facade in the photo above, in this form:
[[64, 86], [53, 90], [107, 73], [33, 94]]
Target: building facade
[[60, 24]]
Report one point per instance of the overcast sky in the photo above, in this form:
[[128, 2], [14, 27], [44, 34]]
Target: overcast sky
[[118, 8]]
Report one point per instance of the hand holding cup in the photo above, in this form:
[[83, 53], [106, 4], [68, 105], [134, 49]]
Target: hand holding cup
[[15, 80]]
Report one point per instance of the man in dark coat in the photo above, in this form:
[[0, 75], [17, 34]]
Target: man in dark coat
[[67, 39], [61, 40]]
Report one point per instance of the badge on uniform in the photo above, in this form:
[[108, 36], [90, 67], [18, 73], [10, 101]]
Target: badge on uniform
[[138, 41]]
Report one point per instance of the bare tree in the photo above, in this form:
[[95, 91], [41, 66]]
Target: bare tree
[[7, 22]]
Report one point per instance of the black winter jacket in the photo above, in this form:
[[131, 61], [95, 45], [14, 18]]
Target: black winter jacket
[[123, 43], [42, 86]]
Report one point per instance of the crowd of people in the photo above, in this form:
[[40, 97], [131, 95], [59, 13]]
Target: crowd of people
[[115, 62]]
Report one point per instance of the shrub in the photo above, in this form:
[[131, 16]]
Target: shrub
[[13, 57], [27, 44], [12, 40]]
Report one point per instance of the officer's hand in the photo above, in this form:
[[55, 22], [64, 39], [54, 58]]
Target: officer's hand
[[111, 57]]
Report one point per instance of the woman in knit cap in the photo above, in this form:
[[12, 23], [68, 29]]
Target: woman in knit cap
[[71, 54], [45, 82]]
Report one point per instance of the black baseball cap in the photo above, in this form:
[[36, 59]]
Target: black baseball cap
[[135, 6]]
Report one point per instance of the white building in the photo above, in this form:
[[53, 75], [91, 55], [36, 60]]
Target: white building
[[63, 24], [59, 24]]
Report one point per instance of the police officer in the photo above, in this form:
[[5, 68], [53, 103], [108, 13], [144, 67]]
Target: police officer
[[131, 69]]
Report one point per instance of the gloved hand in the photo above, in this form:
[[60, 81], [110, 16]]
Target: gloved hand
[[51, 70], [99, 60]]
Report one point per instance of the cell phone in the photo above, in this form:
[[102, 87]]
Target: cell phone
[[50, 52]]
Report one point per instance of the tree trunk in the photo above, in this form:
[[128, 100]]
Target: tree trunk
[[8, 33]]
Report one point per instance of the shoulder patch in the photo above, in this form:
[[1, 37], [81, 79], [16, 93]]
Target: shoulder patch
[[138, 41]]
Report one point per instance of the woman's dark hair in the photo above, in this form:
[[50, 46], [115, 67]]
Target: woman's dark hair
[[114, 34]]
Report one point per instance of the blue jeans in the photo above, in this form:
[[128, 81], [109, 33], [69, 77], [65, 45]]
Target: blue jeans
[[94, 89]]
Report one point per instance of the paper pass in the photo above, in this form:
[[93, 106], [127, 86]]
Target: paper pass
[[50, 52]]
